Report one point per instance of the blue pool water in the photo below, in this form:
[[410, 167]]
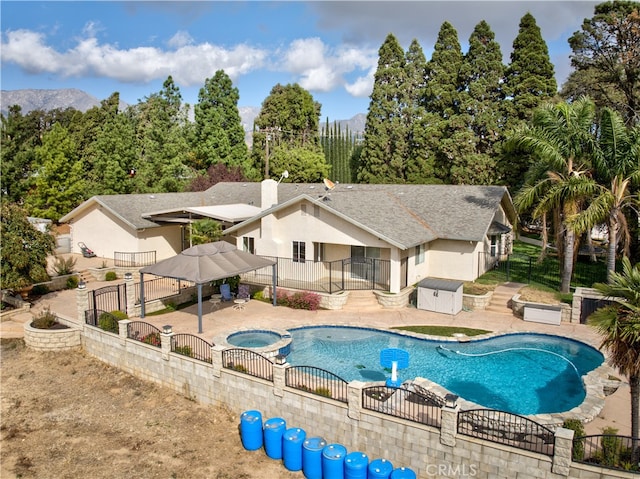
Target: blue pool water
[[253, 339], [518, 373]]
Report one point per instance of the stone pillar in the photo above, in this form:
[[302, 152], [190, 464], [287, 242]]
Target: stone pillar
[[562, 448], [449, 425], [122, 330], [354, 399], [216, 359], [165, 345], [82, 302], [130, 288], [279, 379]]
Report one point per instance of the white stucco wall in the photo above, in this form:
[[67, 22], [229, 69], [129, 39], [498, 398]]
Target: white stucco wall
[[453, 259]]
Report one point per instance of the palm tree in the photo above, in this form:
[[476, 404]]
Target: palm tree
[[561, 142], [617, 167], [619, 323]]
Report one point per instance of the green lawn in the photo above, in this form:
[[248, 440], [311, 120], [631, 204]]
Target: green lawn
[[442, 330]]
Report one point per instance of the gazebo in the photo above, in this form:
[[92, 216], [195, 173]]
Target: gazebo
[[204, 263]]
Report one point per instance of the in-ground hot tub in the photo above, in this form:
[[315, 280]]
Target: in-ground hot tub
[[268, 342]]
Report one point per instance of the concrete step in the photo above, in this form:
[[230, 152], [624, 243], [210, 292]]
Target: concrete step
[[85, 276], [359, 300]]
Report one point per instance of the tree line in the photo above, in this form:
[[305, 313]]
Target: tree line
[[445, 120]]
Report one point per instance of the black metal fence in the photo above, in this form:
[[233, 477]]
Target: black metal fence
[[102, 319], [133, 260], [607, 450], [144, 332], [317, 381], [404, 402], [523, 268], [160, 288], [109, 298], [191, 346], [506, 428], [247, 362], [325, 276]]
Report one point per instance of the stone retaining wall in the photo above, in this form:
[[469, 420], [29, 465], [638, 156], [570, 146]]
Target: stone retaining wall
[[476, 302], [394, 300], [425, 449], [52, 339]]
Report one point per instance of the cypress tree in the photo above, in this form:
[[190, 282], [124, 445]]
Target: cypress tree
[[383, 155]]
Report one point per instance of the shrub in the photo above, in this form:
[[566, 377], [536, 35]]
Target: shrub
[[109, 321], [110, 276], [299, 300], [45, 320], [72, 282], [63, 266], [240, 368], [40, 289], [184, 350], [611, 445], [152, 339], [578, 432], [326, 392]]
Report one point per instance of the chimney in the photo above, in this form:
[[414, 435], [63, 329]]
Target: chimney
[[269, 194]]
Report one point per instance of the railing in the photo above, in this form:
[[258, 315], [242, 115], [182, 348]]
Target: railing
[[247, 362], [607, 450], [405, 402], [160, 288], [317, 381], [144, 332], [325, 276], [191, 346], [102, 319], [133, 260], [506, 428]]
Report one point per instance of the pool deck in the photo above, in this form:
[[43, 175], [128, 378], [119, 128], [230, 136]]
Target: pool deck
[[224, 318]]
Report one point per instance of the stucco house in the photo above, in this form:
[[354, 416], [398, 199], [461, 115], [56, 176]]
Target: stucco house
[[353, 236]]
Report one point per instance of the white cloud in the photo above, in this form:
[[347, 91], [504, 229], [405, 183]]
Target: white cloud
[[321, 68], [188, 64], [180, 39]]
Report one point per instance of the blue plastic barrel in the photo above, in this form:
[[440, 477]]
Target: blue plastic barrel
[[292, 440], [380, 469], [251, 430], [333, 461], [355, 465], [312, 457], [273, 430], [403, 473]]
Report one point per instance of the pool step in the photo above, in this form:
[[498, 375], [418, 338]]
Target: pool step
[[361, 300]]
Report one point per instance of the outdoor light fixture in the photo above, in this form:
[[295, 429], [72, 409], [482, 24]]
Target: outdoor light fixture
[[128, 276], [450, 400], [167, 329], [281, 359], [82, 285]]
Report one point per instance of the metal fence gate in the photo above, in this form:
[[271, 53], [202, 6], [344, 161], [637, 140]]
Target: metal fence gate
[[109, 298]]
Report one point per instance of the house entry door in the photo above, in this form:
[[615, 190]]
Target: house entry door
[[363, 262]]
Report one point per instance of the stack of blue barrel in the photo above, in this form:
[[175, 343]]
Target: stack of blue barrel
[[312, 455]]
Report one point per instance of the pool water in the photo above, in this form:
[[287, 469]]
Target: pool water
[[253, 339], [519, 373]]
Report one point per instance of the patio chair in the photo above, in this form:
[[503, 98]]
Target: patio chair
[[243, 292], [225, 291]]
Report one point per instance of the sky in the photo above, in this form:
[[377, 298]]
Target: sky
[[330, 48]]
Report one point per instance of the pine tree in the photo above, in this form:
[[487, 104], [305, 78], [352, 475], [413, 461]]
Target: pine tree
[[480, 98], [161, 129], [385, 146], [419, 163], [444, 127], [59, 185], [529, 82], [219, 136], [289, 119]]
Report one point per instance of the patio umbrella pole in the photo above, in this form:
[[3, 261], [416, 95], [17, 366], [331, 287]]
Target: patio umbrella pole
[[142, 295], [275, 280], [199, 308]]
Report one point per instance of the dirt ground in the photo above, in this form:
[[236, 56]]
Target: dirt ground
[[68, 415]]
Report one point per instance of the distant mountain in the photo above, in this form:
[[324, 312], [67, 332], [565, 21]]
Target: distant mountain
[[46, 100]]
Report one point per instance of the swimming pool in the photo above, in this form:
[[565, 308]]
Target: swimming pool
[[522, 373]]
